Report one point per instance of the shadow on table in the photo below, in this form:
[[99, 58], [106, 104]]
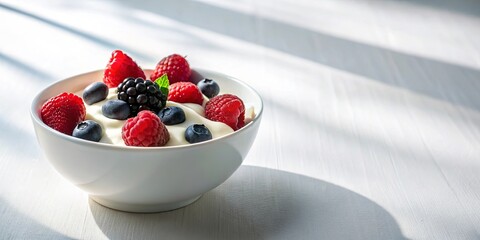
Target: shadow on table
[[259, 203], [26, 68], [79, 33], [450, 82], [471, 7], [16, 225]]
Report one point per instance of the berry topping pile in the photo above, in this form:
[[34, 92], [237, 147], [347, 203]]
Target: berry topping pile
[[139, 104], [145, 130], [141, 95]]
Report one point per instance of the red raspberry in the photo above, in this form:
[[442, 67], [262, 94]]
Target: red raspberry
[[185, 92], [226, 108], [145, 130], [120, 67], [63, 112], [175, 66]]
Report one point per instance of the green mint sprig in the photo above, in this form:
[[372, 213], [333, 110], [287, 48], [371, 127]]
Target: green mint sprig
[[163, 84]]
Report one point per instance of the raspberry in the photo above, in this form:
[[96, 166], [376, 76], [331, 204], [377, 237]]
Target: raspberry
[[145, 130], [175, 66], [63, 112], [226, 108], [119, 67], [185, 92]]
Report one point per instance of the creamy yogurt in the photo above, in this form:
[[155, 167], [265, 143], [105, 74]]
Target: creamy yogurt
[[194, 114]]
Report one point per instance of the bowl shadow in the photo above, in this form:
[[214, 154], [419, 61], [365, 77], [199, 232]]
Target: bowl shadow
[[259, 203]]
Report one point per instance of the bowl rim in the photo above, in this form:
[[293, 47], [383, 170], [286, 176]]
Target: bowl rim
[[35, 115]]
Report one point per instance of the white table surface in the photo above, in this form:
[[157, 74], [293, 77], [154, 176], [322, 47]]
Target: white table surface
[[371, 128]]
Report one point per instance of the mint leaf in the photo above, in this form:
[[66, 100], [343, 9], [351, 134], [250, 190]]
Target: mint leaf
[[163, 83]]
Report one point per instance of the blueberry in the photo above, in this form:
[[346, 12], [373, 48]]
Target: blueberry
[[88, 130], [172, 115], [208, 87], [116, 109], [197, 133], [95, 92]]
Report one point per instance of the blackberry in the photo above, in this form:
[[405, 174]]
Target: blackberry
[[141, 95]]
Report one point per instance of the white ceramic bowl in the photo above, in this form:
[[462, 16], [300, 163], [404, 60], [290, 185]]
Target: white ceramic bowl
[[154, 179]]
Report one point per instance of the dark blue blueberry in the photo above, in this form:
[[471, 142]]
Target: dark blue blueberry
[[116, 109], [197, 133], [88, 130], [208, 87], [95, 92], [172, 115]]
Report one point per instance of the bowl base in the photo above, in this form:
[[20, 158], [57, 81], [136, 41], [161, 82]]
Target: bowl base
[[143, 208]]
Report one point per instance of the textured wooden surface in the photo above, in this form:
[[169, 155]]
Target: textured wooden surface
[[371, 127]]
